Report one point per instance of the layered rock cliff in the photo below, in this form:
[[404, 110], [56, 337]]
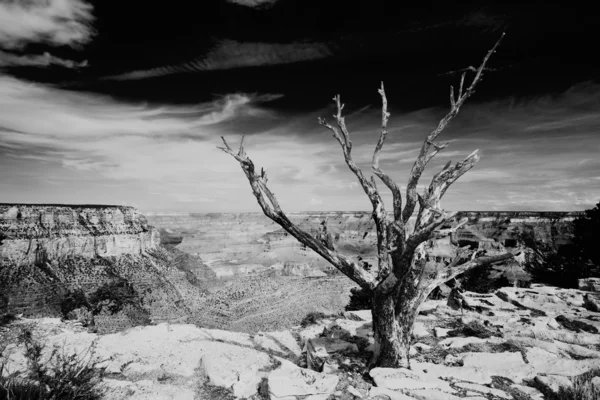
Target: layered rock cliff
[[32, 233], [104, 264]]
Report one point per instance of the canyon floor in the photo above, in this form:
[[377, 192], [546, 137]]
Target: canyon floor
[[514, 344]]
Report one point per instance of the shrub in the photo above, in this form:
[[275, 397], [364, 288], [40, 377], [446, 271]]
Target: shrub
[[563, 266], [61, 377], [72, 301], [582, 388], [473, 328], [478, 280], [360, 299], [312, 318]]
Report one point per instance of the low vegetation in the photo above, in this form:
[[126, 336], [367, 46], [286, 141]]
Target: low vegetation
[[563, 266], [59, 376], [582, 388]]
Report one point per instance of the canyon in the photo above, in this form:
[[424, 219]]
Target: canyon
[[198, 306], [250, 242], [242, 272], [102, 262]]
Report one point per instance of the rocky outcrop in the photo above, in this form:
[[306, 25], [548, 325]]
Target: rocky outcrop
[[35, 233], [98, 263]]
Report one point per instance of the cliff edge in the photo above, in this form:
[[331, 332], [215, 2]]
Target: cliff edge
[[31, 233], [103, 265]]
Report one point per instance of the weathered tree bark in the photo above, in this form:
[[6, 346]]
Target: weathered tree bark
[[405, 276]]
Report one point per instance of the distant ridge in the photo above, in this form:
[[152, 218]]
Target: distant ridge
[[66, 205], [543, 214]]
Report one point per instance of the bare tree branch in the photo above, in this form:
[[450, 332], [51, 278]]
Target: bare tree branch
[[454, 269], [259, 188], [370, 188], [397, 195], [423, 159], [430, 202]]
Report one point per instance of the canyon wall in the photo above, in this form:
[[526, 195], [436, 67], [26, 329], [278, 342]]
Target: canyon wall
[[105, 262], [31, 233], [249, 242]]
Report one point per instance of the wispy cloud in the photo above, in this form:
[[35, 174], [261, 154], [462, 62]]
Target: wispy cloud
[[57, 145], [35, 60], [61, 114], [229, 54]]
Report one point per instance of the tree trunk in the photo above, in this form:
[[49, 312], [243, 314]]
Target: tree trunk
[[392, 332], [394, 316]]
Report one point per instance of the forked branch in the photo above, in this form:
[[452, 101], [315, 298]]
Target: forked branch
[[396, 194], [430, 202], [340, 133], [370, 188], [424, 158], [270, 206]]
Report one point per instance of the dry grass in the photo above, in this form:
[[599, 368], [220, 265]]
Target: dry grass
[[582, 388], [473, 328], [61, 377]]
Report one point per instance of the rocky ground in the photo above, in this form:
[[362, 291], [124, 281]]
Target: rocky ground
[[511, 344]]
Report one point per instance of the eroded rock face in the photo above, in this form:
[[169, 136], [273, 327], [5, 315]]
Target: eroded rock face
[[34, 233], [102, 265]]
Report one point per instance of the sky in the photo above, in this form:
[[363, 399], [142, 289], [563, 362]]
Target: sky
[[106, 103]]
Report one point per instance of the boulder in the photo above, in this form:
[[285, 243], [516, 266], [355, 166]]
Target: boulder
[[422, 346], [458, 342], [553, 383], [234, 367], [441, 332], [547, 363], [377, 393], [282, 342], [589, 284], [467, 374], [354, 392], [484, 389], [533, 393], [83, 315], [290, 383], [364, 315], [356, 328], [506, 364], [591, 301], [432, 394], [145, 389], [419, 330], [319, 349], [405, 379]]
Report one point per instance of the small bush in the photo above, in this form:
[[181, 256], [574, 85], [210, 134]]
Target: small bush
[[360, 299], [61, 377], [478, 280], [7, 319], [473, 328], [72, 301], [576, 326], [582, 388], [312, 318], [564, 265]]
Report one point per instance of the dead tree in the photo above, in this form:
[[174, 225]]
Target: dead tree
[[404, 278]]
